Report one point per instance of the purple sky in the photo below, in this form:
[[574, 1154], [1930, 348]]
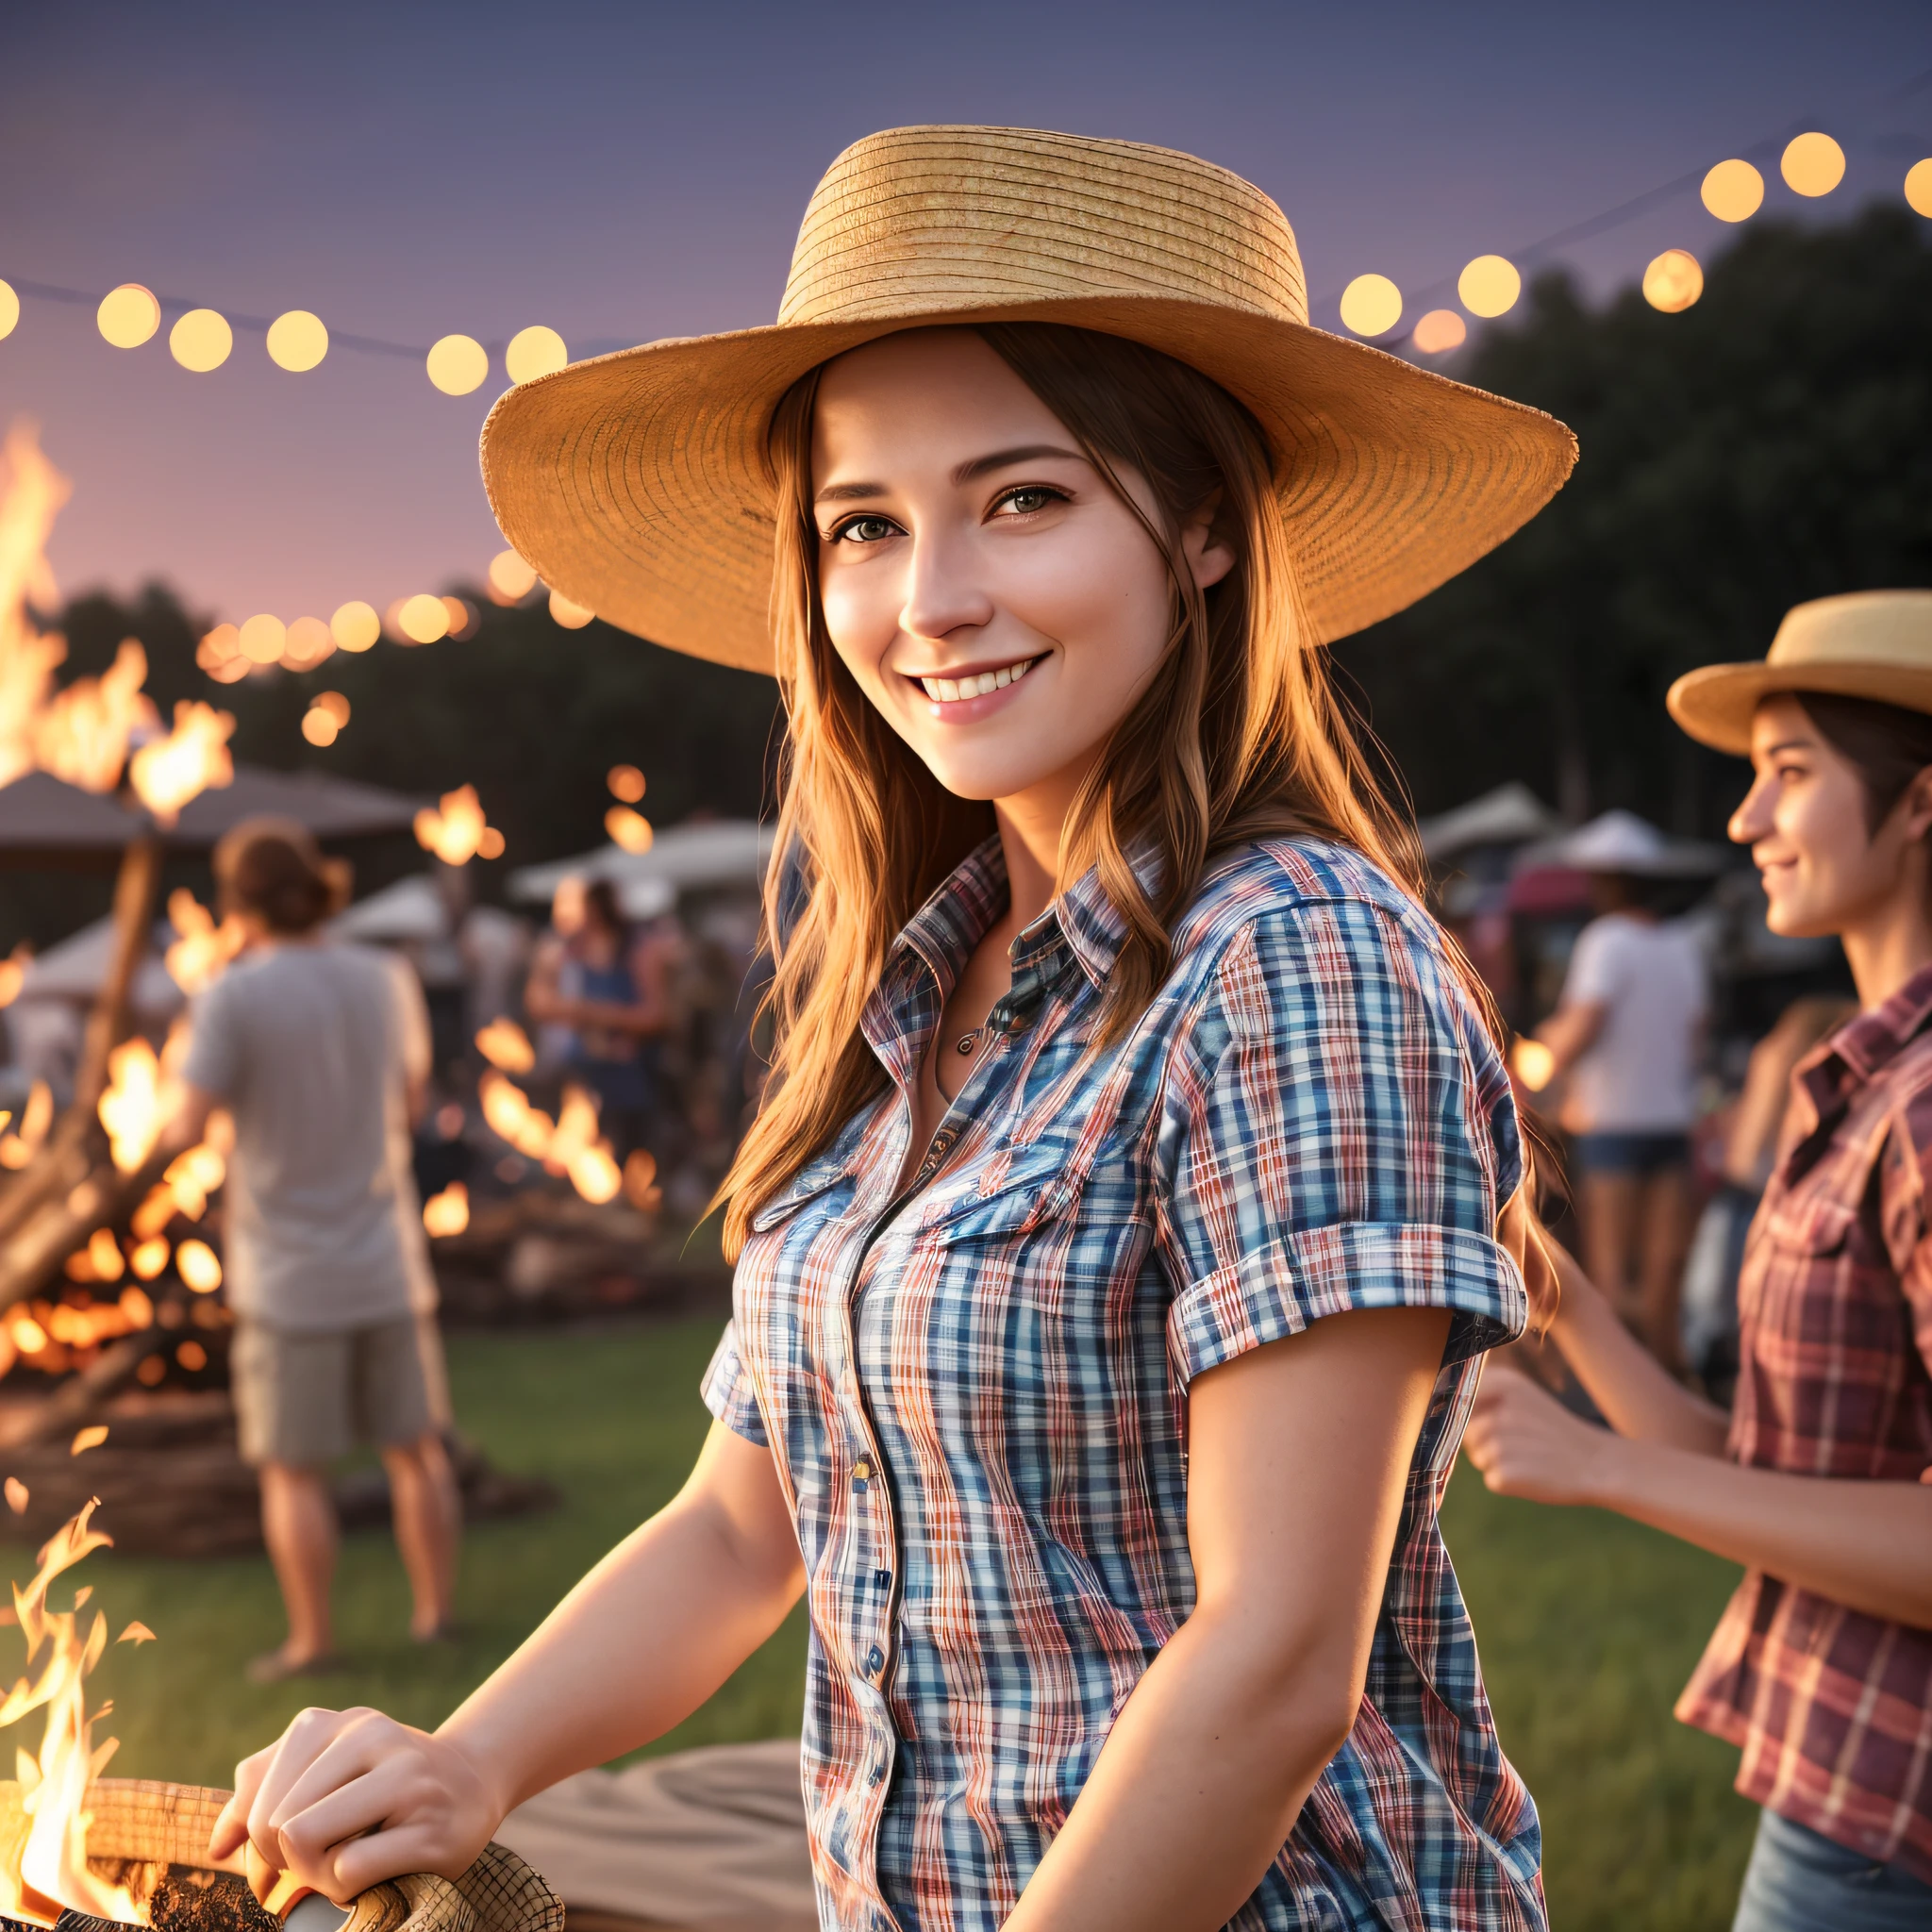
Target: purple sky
[[625, 172]]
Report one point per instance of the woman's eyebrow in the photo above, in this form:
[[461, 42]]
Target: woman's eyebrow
[[966, 473]]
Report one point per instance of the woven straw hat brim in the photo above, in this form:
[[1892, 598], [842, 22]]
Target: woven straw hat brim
[[636, 484], [1717, 702]]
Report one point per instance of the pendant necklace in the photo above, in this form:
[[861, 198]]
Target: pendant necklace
[[968, 1041]]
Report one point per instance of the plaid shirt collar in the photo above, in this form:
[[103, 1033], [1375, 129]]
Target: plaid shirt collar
[[1836, 1071]]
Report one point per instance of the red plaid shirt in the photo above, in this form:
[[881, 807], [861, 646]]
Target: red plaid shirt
[[1832, 1707]]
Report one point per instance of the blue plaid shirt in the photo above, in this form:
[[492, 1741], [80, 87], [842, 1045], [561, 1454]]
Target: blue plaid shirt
[[976, 1396]]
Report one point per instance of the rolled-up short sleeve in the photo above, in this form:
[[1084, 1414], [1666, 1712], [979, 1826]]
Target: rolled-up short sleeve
[[1337, 1134], [728, 1392]]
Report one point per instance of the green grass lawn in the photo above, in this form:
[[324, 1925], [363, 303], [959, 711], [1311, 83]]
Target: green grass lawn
[[1588, 1627]]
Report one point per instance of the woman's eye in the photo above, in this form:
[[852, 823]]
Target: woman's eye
[[1028, 499], [865, 530]]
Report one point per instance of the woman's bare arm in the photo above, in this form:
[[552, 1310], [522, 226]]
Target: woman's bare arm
[[1638, 1396], [639, 1645], [1571, 1031], [1867, 1545], [1299, 1453]]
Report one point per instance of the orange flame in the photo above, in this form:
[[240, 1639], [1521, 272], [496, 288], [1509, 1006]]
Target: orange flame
[[458, 831], [130, 1109], [35, 493], [167, 772], [568, 1145], [505, 1044], [201, 950], [17, 1149], [447, 1213], [82, 735], [55, 1785]]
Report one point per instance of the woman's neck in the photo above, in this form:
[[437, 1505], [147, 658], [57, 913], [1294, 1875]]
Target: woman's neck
[[1888, 946], [1031, 825]]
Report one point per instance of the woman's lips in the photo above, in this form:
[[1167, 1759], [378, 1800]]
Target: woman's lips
[[965, 699]]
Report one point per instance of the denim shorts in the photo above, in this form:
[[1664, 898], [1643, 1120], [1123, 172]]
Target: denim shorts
[[1637, 1154], [1798, 1881]]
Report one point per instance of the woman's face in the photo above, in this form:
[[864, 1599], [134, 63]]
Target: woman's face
[[1805, 822], [989, 591]]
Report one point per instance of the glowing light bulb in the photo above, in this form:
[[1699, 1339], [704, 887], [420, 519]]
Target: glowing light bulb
[[423, 619], [297, 341], [1919, 188], [1733, 191], [318, 727], [510, 578], [1673, 281], [354, 627], [201, 341], [1489, 286], [9, 309], [457, 364], [462, 618], [264, 639], [334, 703], [1439, 331], [626, 783], [1370, 306], [628, 829], [1812, 164], [129, 315], [571, 616], [534, 352]]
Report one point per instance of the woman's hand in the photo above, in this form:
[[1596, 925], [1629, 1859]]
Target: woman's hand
[[1526, 1444], [346, 1798]]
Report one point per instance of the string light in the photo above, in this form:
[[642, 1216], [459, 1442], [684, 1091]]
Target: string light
[[263, 638], [1673, 281], [1733, 191], [1918, 190], [308, 642], [1439, 331], [201, 341], [571, 616], [630, 831], [297, 341], [129, 315], [354, 627], [457, 364], [534, 352], [1489, 285], [1370, 306], [626, 783], [9, 309], [319, 729], [510, 578], [1812, 164]]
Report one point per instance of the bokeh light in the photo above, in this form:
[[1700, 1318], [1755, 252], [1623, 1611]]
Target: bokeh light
[[201, 341], [9, 309], [1733, 191], [334, 703], [534, 352], [1370, 306], [1439, 331], [354, 627], [264, 639], [129, 315], [297, 341], [489, 845], [1673, 281], [1489, 286], [318, 727], [220, 646], [571, 616], [1812, 164], [423, 619], [626, 782], [629, 830], [457, 364], [462, 618], [308, 643], [510, 578], [1919, 188]]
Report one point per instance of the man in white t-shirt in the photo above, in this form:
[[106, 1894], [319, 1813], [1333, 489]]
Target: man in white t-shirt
[[1629, 1032]]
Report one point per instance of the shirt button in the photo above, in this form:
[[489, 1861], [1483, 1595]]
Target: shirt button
[[875, 1661], [882, 1579]]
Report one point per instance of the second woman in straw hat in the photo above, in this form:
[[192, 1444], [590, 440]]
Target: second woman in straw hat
[[1119, 1239]]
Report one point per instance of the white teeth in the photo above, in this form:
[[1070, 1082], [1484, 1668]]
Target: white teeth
[[948, 690]]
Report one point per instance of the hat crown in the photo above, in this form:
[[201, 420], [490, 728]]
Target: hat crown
[[1861, 627], [906, 220]]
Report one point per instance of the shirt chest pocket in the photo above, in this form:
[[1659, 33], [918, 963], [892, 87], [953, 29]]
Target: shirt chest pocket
[[1819, 1276], [1010, 1200]]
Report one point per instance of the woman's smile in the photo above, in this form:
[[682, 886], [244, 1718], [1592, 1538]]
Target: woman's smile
[[960, 696]]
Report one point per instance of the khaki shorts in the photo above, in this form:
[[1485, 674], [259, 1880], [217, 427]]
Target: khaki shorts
[[306, 1399]]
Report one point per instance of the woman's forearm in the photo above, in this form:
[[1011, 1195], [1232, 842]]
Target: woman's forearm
[[635, 1648], [1635, 1395], [1865, 1544], [1198, 1785]]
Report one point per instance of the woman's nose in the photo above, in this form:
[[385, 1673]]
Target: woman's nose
[[945, 591], [1751, 819]]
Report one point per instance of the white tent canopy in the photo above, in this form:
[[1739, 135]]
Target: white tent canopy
[[76, 969], [1512, 814], [709, 856]]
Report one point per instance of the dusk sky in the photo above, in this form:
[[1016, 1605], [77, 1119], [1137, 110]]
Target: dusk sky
[[624, 172]]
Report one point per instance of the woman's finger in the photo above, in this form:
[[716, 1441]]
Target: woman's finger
[[311, 1734], [349, 1756], [231, 1824]]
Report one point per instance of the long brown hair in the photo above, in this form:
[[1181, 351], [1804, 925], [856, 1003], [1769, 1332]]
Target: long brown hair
[[1238, 734]]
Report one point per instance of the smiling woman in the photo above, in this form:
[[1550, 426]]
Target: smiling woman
[[1136, 1188]]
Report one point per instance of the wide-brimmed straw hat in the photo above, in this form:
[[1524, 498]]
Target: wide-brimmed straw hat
[[1867, 644], [636, 484]]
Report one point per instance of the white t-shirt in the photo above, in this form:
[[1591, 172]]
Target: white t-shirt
[[311, 1047], [1638, 1076]]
